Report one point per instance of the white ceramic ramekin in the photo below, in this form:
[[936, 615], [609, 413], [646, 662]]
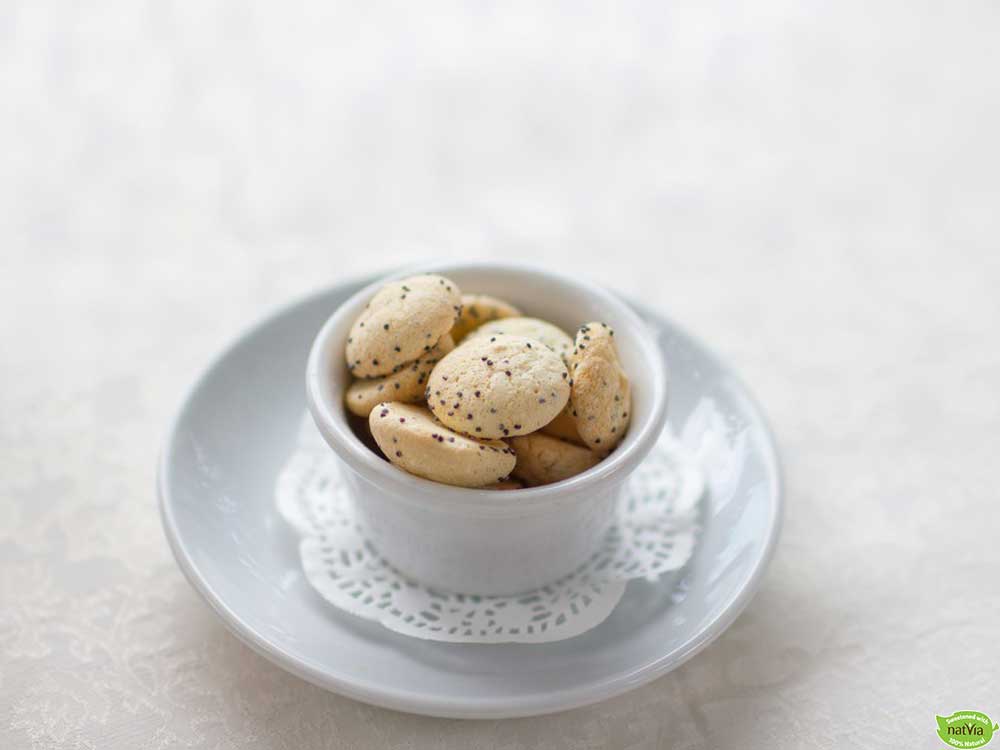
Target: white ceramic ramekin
[[482, 541]]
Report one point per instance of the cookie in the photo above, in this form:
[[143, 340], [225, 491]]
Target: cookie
[[402, 322], [406, 386], [413, 440], [552, 336], [542, 459], [478, 309], [601, 393], [595, 339], [498, 386], [564, 426]]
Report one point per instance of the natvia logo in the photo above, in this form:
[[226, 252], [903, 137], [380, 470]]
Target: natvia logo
[[966, 729]]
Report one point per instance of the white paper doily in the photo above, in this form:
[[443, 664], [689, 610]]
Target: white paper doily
[[655, 533]]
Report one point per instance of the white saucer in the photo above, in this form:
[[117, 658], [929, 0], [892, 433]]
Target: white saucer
[[237, 425]]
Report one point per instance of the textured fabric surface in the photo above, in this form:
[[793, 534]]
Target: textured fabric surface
[[809, 187]]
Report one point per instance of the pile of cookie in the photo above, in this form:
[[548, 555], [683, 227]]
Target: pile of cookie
[[463, 389]]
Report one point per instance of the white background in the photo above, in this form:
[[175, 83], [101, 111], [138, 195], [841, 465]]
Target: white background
[[811, 187]]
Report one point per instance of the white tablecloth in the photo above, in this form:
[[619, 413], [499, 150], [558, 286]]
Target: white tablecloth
[[811, 188]]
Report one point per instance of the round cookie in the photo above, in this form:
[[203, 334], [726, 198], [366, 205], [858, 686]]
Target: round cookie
[[406, 386], [552, 336], [413, 440], [564, 426], [542, 459], [601, 393], [403, 321], [478, 309], [498, 386]]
